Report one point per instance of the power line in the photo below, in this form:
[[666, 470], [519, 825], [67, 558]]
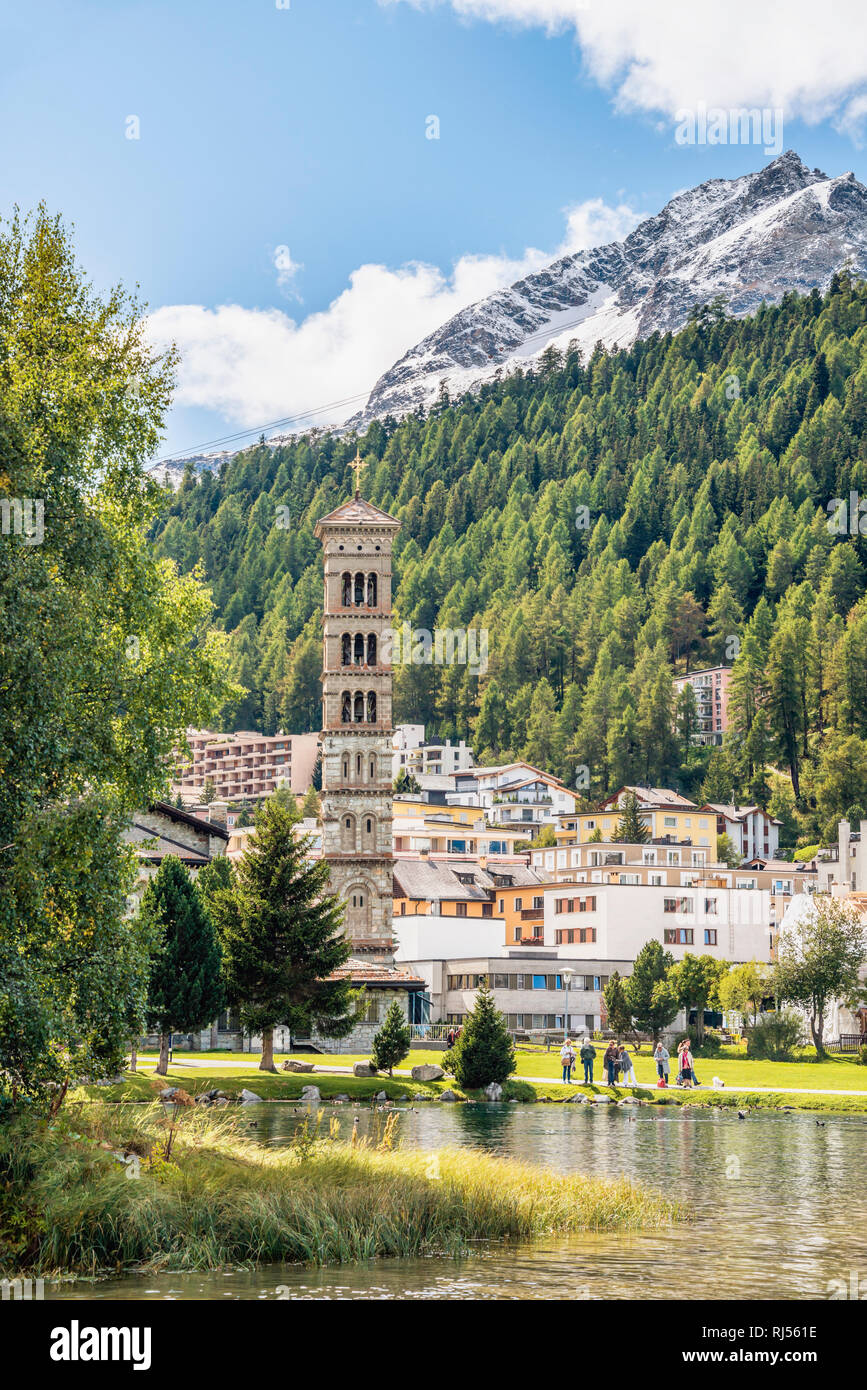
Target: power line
[[318, 409]]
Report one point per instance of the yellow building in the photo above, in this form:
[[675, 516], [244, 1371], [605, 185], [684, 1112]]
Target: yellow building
[[667, 815]]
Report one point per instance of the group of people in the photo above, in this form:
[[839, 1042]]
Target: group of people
[[617, 1062], [453, 1035], [685, 1066]]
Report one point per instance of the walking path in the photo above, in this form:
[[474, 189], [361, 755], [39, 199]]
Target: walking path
[[545, 1080]]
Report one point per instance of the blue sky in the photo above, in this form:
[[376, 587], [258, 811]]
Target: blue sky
[[284, 213]]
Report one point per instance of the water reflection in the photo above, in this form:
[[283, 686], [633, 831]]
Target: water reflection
[[780, 1203]]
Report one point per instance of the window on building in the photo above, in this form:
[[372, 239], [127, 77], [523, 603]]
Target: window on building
[[710, 936], [678, 936]]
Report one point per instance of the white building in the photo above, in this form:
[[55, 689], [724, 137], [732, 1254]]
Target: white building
[[413, 755], [754, 832], [515, 795], [614, 920]]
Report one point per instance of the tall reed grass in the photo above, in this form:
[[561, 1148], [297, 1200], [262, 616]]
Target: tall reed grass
[[225, 1200]]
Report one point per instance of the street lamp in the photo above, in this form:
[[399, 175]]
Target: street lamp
[[566, 976]]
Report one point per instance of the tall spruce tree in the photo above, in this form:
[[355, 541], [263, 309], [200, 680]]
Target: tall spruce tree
[[281, 934], [185, 991], [631, 829], [484, 1052]]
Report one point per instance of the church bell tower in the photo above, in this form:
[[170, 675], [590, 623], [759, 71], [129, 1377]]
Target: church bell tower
[[357, 719]]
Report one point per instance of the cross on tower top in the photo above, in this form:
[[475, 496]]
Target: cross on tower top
[[358, 464]]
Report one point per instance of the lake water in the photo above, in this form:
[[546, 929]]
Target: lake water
[[780, 1204]]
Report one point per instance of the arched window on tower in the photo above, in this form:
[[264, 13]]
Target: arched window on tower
[[347, 834], [346, 649], [371, 649], [359, 707], [359, 649], [371, 591], [347, 589], [358, 767], [371, 706], [368, 833], [359, 589], [372, 768], [346, 708], [345, 768]]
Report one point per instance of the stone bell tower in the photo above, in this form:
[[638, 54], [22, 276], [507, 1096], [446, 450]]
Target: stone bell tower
[[357, 720]]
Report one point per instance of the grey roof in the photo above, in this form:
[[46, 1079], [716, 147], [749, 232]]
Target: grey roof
[[434, 881]]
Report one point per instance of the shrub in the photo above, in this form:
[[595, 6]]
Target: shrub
[[862, 1054], [392, 1043], [710, 1045], [775, 1037]]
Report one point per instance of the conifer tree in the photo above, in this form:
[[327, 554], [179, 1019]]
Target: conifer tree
[[280, 931], [631, 829], [617, 1009], [484, 1052], [185, 991], [391, 1044]]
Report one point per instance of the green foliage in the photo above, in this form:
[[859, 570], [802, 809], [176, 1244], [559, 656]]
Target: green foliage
[[184, 990], [484, 1052], [744, 986], [392, 1042], [696, 980], [819, 959], [775, 1037], [617, 1009], [726, 852], [651, 999], [280, 932], [104, 658], [805, 854], [406, 784], [631, 829]]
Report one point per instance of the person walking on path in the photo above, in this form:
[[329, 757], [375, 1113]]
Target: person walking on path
[[627, 1070], [588, 1056], [662, 1059], [610, 1063], [567, 1057], [686, 1071]]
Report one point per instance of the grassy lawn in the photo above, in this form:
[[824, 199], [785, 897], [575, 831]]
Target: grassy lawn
[[841, 1072]]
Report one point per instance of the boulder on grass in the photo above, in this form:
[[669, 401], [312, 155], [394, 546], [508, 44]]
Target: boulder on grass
[[428, 1071], [311, 1094], [448, 1096], [364, 1069], [169, 1093], [604, 1100], [249, 1097], [297, 1066], [494, 1091]]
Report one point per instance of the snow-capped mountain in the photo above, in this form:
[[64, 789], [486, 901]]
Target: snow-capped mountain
[[748, 239]]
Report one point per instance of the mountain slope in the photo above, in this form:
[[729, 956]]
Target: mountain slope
[[748, 239]]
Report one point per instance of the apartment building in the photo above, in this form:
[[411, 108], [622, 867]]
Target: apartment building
[[753, 832], [667, 815], [528, 985], [673, 866], [435, 831], [411, 753], [515, 795], [614, 920], [460, 888], [246, 764], [711, 689]]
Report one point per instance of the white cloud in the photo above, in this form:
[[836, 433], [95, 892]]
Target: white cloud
[[257, 365], [660, 55]]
